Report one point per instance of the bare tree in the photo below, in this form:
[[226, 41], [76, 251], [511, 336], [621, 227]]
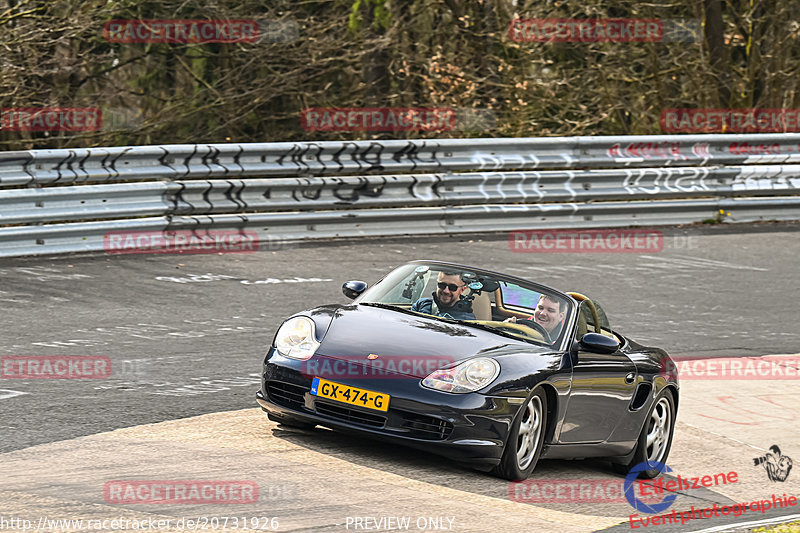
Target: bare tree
[[416, 53]]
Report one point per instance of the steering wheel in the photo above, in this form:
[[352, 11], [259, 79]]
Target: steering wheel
[[537, 332], [538, 327], [592, 309]]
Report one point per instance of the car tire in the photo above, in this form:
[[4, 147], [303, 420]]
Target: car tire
[[525, 440], [291, 422], [659, 427]]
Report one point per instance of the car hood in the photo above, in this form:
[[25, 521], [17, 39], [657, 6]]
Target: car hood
[[357, 331]]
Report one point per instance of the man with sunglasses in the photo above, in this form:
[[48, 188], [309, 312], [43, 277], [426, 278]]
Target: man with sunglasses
[[446, 301]]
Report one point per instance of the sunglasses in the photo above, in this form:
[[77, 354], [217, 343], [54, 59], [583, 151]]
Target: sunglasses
[[452, 286]]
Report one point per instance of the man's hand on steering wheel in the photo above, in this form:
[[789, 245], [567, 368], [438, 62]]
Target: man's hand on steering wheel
[[538, 327], [531, 324]]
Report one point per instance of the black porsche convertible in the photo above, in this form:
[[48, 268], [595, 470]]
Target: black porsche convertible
[[488, 369]]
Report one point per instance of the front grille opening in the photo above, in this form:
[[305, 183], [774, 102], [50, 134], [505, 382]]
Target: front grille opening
[[346, 414], [286, 394], [425, 427]]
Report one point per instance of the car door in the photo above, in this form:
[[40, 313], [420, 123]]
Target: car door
[[601, 390]]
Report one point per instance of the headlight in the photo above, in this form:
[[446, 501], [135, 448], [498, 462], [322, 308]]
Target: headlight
[[469, 376], [296, 338]]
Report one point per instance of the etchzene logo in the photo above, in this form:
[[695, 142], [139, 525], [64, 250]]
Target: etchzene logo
[[180, 492], [571, 491], [51, 119], [55, 367], [586, 241], [180, 242], [378, 119], [374, 366]]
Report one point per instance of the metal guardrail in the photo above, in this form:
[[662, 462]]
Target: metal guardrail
[[33, 206], [175, 162], [298, 191]]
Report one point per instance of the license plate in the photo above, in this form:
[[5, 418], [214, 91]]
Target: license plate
[[323, 388]]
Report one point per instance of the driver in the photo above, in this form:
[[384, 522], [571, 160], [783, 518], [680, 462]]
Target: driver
[[446, 301], [549, 314]]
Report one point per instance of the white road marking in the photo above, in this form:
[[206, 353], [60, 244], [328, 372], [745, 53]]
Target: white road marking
[[675, 264], [42, 273], [7, 393], [702, 262]]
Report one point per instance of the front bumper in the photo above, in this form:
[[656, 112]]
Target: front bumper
[[464, 427]]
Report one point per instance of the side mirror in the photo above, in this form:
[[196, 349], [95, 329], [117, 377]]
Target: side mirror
[[353, 289], [597, 343]]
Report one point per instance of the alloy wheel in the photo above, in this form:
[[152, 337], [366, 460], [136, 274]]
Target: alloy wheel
[[529, 432]]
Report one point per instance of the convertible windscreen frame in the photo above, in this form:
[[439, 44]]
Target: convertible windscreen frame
[[399, 275]]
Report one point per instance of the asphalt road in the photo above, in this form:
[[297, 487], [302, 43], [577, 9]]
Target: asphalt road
[[185, 334]]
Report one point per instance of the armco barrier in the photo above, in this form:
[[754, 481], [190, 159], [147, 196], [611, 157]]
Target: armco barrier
[[300, 191], [175, 162]]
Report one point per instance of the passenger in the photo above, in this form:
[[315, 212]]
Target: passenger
[[446, 302], [549, 314]]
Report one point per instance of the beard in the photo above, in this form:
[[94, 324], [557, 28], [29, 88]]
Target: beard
[[453, 299]]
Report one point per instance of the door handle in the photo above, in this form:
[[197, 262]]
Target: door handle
[[630, 377]]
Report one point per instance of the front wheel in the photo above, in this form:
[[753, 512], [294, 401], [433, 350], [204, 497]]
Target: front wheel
[[655, 440], [526, 439]]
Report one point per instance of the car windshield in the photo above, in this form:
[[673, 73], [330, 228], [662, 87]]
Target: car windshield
[[490, 301]]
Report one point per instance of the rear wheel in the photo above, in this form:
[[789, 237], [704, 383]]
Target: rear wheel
[[525, 440], [655, 440]]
